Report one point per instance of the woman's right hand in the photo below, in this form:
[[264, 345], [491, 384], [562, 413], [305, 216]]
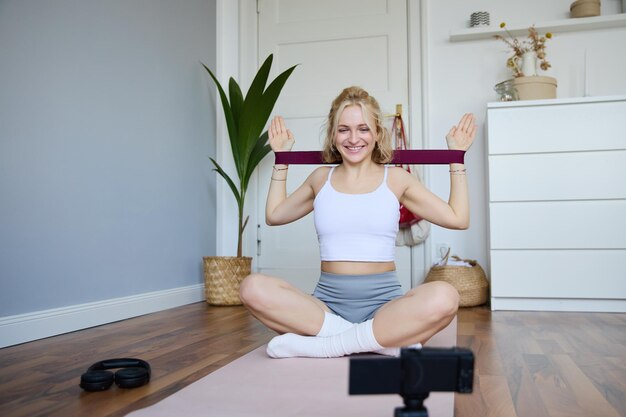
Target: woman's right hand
[[281, 138]]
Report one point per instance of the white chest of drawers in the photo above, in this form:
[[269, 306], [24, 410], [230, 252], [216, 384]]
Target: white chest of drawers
[[557, 204]]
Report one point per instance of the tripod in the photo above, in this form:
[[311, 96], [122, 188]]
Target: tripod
[[413, 406]]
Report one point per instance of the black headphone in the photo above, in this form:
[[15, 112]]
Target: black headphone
[[132, 373]]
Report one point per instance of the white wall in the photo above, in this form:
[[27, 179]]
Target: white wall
[[462, 76], [106, 123]]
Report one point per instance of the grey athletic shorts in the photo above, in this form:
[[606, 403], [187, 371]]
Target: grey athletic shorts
[[357, 297]]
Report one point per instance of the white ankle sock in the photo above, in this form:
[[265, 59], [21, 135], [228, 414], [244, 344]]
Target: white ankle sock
[[333, 324], [395, 351], [356, 339]]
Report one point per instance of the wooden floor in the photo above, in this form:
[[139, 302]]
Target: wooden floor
[[535, 364], [527, 364]]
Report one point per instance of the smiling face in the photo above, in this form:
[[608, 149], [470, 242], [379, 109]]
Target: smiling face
[[354, 129], [354, 138]]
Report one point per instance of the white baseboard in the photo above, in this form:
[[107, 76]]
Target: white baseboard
[[37, 325], [559, 304]]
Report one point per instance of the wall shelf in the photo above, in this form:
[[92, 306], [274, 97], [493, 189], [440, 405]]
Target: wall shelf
[[555, 26]]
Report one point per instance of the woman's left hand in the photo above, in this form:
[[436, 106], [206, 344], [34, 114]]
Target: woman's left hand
[[461, 136]]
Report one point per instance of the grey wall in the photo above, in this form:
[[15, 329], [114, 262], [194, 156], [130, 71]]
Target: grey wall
[[106, 123]]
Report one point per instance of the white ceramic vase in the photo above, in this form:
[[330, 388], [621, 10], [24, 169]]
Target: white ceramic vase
[[529, 64]]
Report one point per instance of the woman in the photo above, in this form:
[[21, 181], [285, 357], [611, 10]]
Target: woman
[[357, 305]]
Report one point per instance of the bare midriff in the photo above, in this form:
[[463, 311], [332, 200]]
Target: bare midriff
[[357, 268]]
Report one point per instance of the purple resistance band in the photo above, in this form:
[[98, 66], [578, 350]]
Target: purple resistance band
[[429, 156]]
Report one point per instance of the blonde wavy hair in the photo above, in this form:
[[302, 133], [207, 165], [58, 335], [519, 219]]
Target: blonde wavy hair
[[356, 96]]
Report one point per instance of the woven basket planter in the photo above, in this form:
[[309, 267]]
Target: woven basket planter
[[470, 282], [222, 277]]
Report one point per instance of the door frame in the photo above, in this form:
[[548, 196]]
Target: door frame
[[237, 56]]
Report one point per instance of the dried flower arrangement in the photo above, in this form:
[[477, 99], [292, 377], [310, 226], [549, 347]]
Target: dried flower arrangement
[[534, 43]]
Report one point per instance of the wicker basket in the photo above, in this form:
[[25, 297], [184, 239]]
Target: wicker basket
[[222, 277], [470, 282]]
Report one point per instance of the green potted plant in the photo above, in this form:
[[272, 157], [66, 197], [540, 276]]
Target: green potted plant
[[246, 118]]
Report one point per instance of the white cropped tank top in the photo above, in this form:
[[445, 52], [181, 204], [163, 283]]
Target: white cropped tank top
[[356, 227]]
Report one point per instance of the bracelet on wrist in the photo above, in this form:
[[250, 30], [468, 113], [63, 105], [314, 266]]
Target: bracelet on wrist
[[276, 169], [457, 171], [277, 179]]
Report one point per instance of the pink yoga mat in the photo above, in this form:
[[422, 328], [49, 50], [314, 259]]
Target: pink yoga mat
[[258, 386]]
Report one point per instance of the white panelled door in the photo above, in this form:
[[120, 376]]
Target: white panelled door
[[336, 44]]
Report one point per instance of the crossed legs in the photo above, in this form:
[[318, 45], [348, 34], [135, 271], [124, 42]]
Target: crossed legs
[[281, 306], [413, 318]]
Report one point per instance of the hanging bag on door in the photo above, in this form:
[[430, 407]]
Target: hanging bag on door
[[413, 229]]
